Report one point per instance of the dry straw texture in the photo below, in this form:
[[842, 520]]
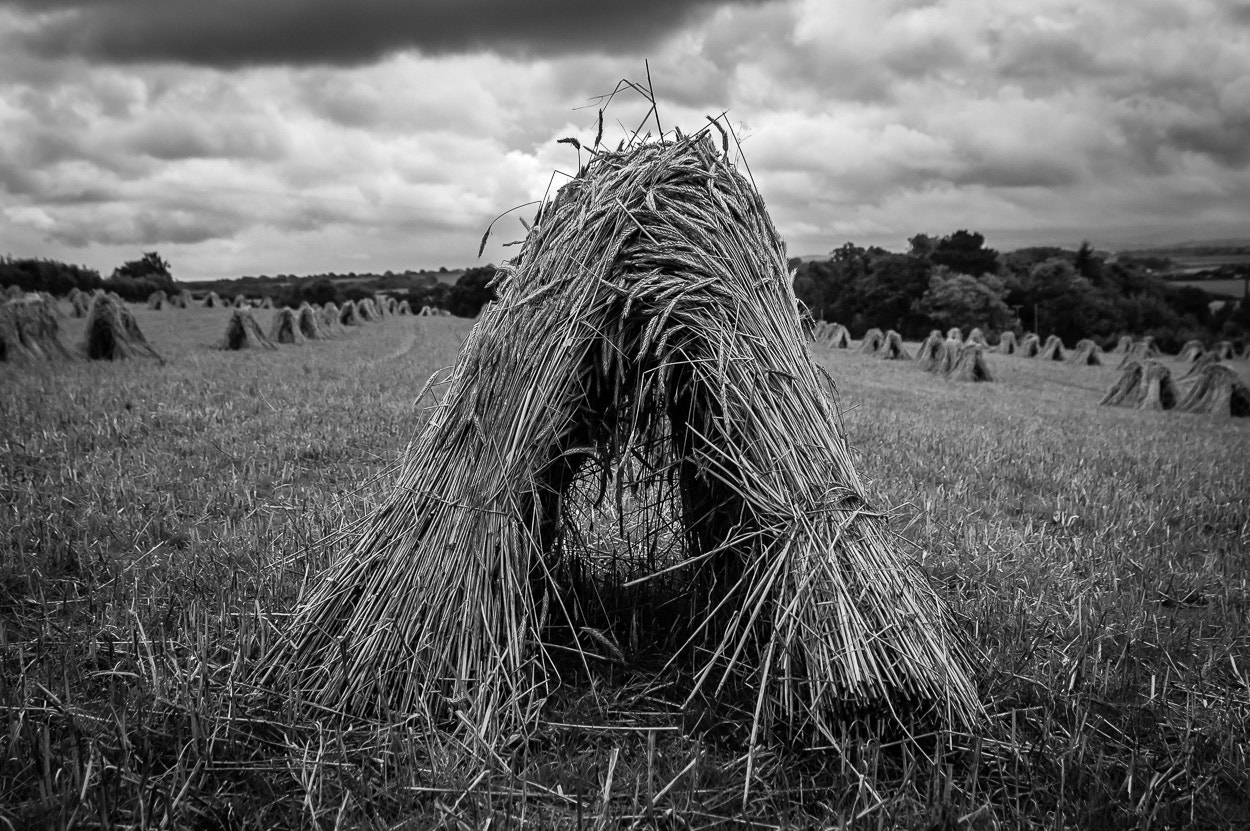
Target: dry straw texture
[[1127, 389], [157, 300], [79, 302], [285, 328], [954, 333], [1159, 390], [645, 363], [1192, 351], [833, 335], [1142, 350], [403, 308], [113, 333], [213, 300], [349, 315], [976, 336], [29, 331], [1007, 344], [1123, 346], [1053, 350], [1086, 353], [330, 314], [1029, 347], [873, 339], [969, 364], [1218, 391], [1198, 366], [243, 332], [930, 351], [309, 323], [892, 349]]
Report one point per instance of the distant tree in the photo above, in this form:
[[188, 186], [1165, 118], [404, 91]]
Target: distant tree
[[47, 275], [886, 292], [954, 299], [922, 245], [965, 252], [1086, 262], [150, 266], [471, 291]]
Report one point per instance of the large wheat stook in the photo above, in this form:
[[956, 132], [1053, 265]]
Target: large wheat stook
[[647, 332]]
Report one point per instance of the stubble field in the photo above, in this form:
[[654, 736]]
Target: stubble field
[[158, 521]]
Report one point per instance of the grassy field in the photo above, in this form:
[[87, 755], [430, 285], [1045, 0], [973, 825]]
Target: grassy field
[[1223, 288], [158, 521]]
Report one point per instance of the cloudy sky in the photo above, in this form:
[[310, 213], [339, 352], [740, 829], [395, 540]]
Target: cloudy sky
[[306, 136]]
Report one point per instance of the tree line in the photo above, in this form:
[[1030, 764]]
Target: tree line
[[134, 280], [956, 280], [940, 282]]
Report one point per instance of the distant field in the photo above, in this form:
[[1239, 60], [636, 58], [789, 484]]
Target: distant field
[[1224, 288], [158, 521], [1199, 262]]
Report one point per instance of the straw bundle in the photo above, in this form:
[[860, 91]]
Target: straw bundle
[[1086, 353], [349, 314], [241, 302], [954, 333], [970, 364], [426, 311], [1123, 346], [181, 300], [645, 340], [212, 301], [157, 300], [403, 308], [892, 348], [79, 303], [873, 339], [1220, 392], [243, 332], [977, 337], [833, 335], [1192, 351], [1197, 367], [13, 292], [930, 351], [29, 331], [1030, 346], [11, 347], [1159, 390], [948, 356], [1053, 350], [384, 304], [330, 317], [112, 332], [1142, 350], [1223, 350], [1007, 344], [285, 328], [1127, 389], [309, 323]]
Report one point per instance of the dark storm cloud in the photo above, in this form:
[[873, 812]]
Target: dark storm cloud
[[231, 33]]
